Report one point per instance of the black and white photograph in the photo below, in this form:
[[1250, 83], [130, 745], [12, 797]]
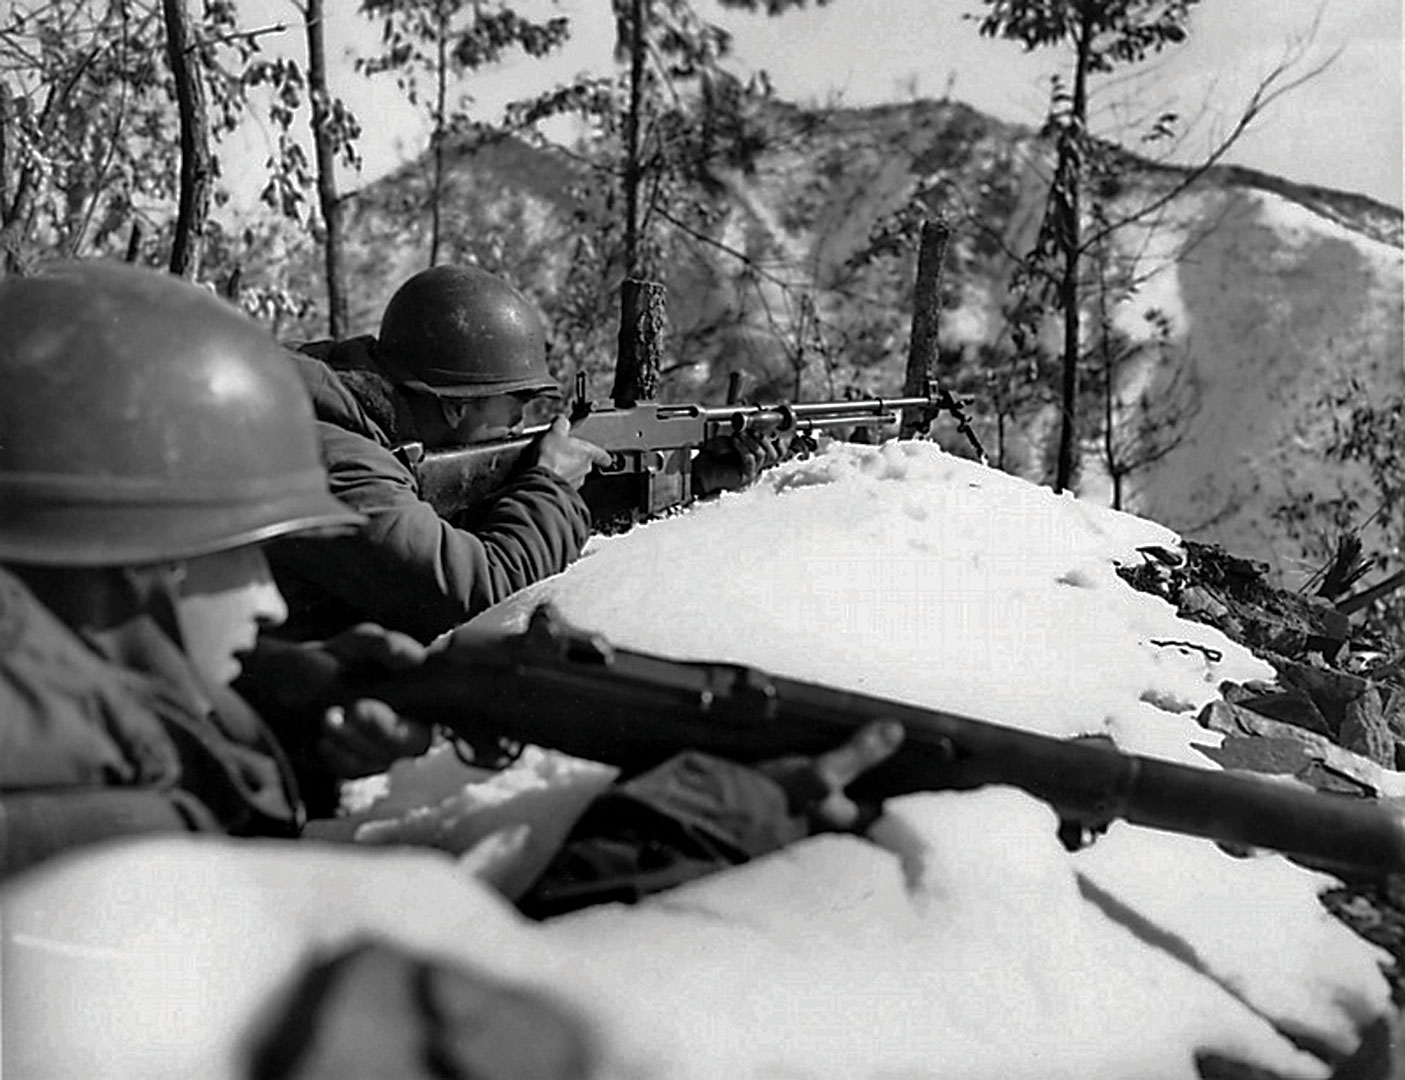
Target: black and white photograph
[[702, 540]]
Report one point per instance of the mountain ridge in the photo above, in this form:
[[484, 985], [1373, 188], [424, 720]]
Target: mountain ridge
[[800, 273]]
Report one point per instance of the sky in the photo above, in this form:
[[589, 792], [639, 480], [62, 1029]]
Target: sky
[[1342, 129], [964, 941]]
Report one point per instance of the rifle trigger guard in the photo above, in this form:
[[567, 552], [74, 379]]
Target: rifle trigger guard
[[493, 754], [654, 461]]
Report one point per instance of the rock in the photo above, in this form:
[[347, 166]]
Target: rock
[[1262, 744], [1364, 729], [1290, 706], [1331, 690]]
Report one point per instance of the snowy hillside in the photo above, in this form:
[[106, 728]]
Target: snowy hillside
[[800, 274], [961, 940]]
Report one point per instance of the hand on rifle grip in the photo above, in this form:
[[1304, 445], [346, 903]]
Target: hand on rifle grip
[[733, 461], [815, 786], [366, 736], [565, 455]]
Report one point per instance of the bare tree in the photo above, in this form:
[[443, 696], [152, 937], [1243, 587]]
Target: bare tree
[[326, 137], [197, 167], [1102, 34]]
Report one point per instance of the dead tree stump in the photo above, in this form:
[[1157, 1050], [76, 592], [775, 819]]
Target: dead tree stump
[[640, 358], [926, 320]]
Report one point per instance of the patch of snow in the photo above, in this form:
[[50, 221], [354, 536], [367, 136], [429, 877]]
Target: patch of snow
[[962, 942], [1154, 252], [1296, 222], [907, 573], [964, 950], [1271, 942]]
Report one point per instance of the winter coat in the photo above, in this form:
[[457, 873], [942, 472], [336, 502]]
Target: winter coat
[[409, 569], [113, 734]]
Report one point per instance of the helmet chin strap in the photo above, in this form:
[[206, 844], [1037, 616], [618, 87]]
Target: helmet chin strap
[[155, 590]]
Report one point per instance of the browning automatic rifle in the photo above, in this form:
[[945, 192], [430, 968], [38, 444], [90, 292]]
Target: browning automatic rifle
[[556, 687], [650, 446]]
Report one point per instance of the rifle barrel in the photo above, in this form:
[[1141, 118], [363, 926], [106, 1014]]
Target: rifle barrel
[[578, 694]]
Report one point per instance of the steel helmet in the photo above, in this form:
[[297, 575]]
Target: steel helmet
[[143, 419], [457, 331]]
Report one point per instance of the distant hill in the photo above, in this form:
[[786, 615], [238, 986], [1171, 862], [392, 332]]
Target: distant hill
[[1272, 292]]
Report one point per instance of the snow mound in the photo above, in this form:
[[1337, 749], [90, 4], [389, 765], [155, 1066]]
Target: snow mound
[[908, 573], [961, 941], [967, 950]]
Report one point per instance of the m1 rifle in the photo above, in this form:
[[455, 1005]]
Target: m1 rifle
[[651, 446], [557, 687]]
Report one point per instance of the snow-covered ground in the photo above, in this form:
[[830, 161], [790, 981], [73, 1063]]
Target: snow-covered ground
[[961, 940]]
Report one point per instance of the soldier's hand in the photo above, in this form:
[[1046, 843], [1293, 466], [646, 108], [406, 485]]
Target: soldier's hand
[[367, 737], [815, 786], [367, 644], [565, 455], [733, 461]]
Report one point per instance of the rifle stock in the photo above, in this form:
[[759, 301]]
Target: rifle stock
[[573, 692]]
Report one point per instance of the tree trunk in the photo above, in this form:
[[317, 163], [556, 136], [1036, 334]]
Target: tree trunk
[[922, 350], [197, 172], [1068, 179], [6, 109], [642, 315], [134, 239], [333, 212], [436, 205], [632, 171], [12, 212]]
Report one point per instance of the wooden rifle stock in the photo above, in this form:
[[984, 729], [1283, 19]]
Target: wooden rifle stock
[[570, 691]]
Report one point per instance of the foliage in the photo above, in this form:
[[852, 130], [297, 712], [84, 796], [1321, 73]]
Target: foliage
[[658, 136], [1120, 31], [268, 268], [1102, 35], [1364, 434], [245, 73], [89, 135], [441, 41]]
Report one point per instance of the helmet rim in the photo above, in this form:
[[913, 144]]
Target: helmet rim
[[50, 532], [147, 420]]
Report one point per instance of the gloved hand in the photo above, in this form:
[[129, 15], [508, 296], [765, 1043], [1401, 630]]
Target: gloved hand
[[565, 455], [367, 736], [733, 461], [815, 786]]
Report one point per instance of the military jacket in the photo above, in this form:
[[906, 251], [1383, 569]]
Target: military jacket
[[409, 569], [113, 734]]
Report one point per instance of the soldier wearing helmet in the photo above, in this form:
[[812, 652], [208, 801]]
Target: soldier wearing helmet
[[151, 439], [459, 358]]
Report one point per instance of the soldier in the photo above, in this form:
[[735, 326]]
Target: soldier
[[460, 358], [152, 439]]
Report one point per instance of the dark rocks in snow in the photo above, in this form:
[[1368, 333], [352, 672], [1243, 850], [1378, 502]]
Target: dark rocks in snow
[[1333, 718], [1209, 585]]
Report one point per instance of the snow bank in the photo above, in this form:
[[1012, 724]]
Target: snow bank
[[963, 942], [835, 959], [1296, 223], [972, 953], [905, 572]]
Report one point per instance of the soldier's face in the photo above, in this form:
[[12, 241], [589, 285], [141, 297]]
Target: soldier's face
[[476, 420], [224, 600]]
